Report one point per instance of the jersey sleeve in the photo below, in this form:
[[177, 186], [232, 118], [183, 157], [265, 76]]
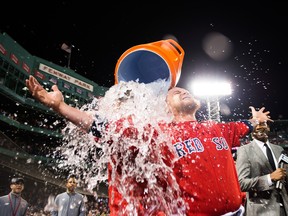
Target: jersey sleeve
[[234, 131]]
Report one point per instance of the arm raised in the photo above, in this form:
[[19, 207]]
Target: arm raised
[[259, 116], [55, 100]]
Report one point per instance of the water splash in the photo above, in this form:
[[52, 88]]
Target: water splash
[[130, 144], [50, 206]]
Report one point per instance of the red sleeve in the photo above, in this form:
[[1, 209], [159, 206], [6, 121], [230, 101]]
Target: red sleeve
[[234, 131]]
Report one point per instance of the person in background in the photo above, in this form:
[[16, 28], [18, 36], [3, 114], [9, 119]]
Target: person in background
[[13, 204], [204, 167], [69, 202], [257, 177]]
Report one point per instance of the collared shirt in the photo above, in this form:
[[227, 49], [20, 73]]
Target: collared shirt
[[263, 148], [69, 204]]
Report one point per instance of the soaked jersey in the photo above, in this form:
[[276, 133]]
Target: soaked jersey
[[135, 187], [204, 166], [202, 163]]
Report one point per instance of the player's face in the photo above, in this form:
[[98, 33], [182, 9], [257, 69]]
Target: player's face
[[181, 100]]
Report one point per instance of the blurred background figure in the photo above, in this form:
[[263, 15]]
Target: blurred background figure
[[13, 204], [70, 202]]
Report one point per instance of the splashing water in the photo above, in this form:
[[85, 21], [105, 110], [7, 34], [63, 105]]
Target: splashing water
[[50, 206], [129, 147]]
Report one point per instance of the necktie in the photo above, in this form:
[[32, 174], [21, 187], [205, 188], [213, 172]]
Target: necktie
[[270, 157]]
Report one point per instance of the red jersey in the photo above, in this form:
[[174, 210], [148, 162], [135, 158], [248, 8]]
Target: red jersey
[[136, 193], [204, 166]]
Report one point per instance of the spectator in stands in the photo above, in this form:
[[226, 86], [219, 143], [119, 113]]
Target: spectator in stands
[[70, 202], [13, 204], [258, 178]]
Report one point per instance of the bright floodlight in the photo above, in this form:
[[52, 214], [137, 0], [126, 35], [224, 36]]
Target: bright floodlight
[[211, 88]]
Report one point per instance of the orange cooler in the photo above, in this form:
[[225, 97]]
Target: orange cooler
[[150, 62]]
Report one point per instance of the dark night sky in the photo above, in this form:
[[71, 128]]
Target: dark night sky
[[256, 66]]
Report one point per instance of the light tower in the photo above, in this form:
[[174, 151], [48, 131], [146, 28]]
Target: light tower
[[211, 91]]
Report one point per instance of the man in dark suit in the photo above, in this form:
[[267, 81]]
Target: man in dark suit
[[257, 177]]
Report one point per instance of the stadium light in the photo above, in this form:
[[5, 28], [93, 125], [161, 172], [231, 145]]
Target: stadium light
[[211, 91]]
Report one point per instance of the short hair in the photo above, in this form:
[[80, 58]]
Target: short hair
[[71, 176]]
